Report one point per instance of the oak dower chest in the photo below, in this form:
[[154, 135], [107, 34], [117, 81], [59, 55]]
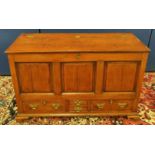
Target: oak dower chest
[[77, 74]]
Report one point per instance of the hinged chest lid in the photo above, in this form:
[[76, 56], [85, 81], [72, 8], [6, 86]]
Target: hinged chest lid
[[77, 42]]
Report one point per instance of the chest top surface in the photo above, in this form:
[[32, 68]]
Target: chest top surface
[[77, 42]]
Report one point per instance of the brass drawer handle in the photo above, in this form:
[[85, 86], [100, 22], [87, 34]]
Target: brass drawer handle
[[56, 106], [33, 106], [77, 109], [100, 105], [122, 105], [78, 102]]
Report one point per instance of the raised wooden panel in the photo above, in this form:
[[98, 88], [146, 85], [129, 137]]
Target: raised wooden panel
[[120, 76], [34, 77], [78, 77], [24, 77]]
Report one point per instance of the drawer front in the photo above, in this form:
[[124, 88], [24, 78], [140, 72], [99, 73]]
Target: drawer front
[[45, 106], [121, 105], [37, 106], [100, 106], [78, 106]]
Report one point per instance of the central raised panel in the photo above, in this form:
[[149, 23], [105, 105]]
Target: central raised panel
[[78, 76]]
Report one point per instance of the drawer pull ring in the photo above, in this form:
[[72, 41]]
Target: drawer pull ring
[[56, 106], [122, 105], [33, 106], [100, 105], [111, 101]]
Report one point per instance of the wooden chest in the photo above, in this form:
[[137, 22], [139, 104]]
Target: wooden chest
[[77, 74]]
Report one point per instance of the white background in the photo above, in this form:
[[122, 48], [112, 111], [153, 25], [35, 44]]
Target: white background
[[77, 14], [77, 140]]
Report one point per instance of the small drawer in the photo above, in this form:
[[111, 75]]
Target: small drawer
[[100, 106], [50, 106], [121, 105], [78, 106]]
